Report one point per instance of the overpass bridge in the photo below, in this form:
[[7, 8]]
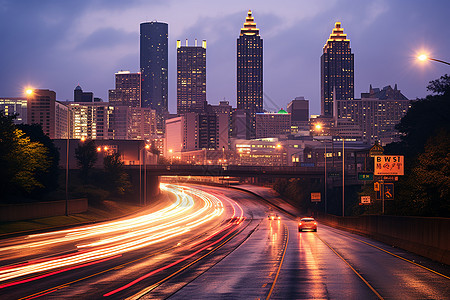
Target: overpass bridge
[[232, 171]]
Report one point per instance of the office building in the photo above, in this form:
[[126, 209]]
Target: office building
[[337, 70], [223, 111], [376, 113], [89, 120], [154, 65], [128, 89], [196, 131], [269, 125], [80, 96], [191, 78], [240, 119], [250, 72], [299, 111], [41, 106], [101, 121], [15, 106]]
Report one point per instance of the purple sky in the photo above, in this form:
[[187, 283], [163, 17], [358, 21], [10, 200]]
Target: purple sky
[[57, 45]]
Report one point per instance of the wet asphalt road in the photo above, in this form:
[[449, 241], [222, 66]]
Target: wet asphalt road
[[251, 259], [278, 262]]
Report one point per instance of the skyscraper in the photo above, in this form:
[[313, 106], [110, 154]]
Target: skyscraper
[[41, 109], [191, 78], [128, 89], [250, 72], [337, 70], [154, 63]]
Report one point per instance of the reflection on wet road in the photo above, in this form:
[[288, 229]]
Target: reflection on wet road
[[209, 243]]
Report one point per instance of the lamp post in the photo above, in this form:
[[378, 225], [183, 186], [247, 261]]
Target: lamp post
[[143, 151], [318, 127], [424, 57]]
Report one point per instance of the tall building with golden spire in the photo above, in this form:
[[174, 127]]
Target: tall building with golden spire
[[337, 70], [250, 72]]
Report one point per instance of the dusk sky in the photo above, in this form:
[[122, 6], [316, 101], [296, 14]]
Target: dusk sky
[[59, 44]]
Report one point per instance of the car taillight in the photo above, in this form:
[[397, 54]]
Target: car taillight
[[315, 223], [300, 223]]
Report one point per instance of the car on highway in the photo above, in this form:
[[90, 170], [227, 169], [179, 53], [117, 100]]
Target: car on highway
[[307, 224], [273, 216]]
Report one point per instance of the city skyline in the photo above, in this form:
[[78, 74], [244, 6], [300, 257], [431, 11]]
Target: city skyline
[[92, 46]]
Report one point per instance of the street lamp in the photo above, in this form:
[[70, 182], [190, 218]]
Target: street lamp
[[146, 147], [325, 171], [318, 127], [424, 57]]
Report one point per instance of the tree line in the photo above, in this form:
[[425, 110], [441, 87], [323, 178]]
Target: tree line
[[29, 167]]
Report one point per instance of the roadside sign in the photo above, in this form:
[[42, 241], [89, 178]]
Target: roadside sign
[[376, 150], [389, 165], [376, 186], [365, 176], [388, 191], [389, 178], [365, 199], [315, 197], [334, 174]]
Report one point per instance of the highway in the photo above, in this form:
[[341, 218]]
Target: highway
[[210, 242]]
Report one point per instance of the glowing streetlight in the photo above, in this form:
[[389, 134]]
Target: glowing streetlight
[[171, 156], [424, 57], [144, 158]]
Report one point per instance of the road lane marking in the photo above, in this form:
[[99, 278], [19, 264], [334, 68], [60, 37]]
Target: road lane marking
[[281, 263], [353, 269], [393, 254], [53, 289]]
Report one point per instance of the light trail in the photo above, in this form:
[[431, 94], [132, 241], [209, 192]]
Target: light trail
[[118, 237]]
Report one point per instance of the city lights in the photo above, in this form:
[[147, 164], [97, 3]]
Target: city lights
[[107, 241]]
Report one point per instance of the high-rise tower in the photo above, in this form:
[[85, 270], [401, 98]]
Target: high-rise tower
[[154, 58], [250, 72], [191, 78], [128, 89], [337, 70]]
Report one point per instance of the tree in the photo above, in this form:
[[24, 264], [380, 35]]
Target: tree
[[8, 143], [424, 119], [424, 189], [432, 171], [21, 160], [117, 178], [49, 178], [86, 155]]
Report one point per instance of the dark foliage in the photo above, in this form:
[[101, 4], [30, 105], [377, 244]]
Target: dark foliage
[[86, 155], [50, 178], [117, 180]]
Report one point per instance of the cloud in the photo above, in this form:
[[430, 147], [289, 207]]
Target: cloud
[[109, 38]]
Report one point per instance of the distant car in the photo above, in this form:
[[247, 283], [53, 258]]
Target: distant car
[[274, 217], [307, 223]]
